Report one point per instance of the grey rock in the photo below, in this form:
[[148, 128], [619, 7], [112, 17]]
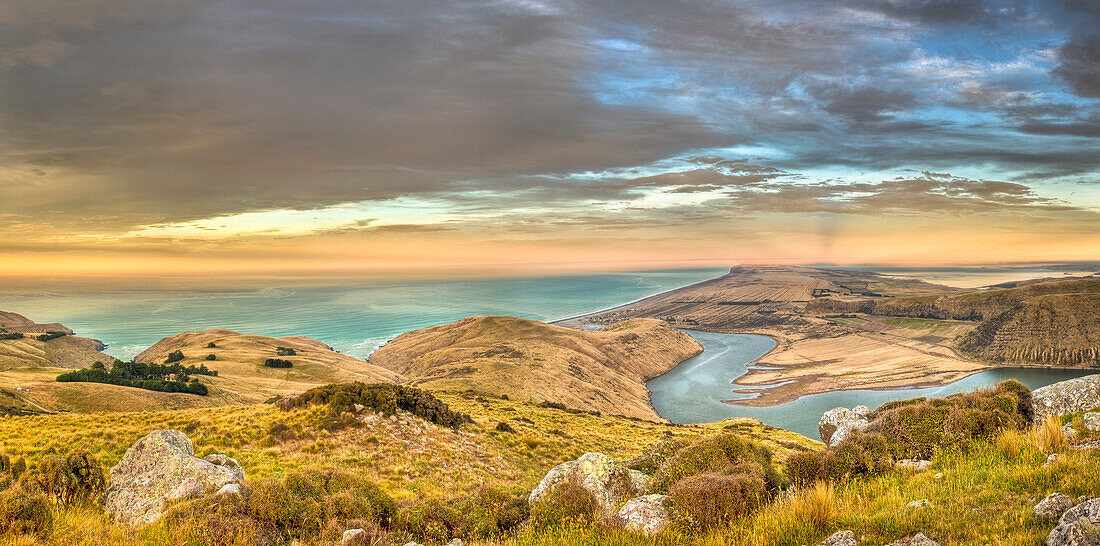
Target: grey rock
[[913, 464], [354, 537], [1052, 459], [840, 538], [1054, 505], [1092, 420], [921, 503], [162, 468], [918, 539], [609, 481], [646, 515], [1069, 432], [639, 481], [1070, 396], [456, 542], [229, 489], [410, 543], [838, 423], [1079, 526]]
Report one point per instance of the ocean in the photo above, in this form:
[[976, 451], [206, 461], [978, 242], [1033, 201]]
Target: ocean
[[354, 318]]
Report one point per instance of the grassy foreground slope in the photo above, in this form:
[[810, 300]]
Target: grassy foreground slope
[[603, 370], [982, 495]]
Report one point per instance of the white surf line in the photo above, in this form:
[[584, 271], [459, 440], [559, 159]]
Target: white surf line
[[632, 302]]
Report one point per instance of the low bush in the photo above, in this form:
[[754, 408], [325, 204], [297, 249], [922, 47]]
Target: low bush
[[566, 505], [381, 397], [11, 335], [709, 500], [211, 345], [917, 429], [25, 513], [489, 513], [285, 351], [211, 356], [301, 505], [278, 363], [721, 454], [77, 478], [505, 427], [174, 356], [50, 336]]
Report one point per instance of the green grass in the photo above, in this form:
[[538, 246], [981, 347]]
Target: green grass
[[933, 326], [1002, 478]]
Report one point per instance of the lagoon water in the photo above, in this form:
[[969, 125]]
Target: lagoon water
[[354, 318], [693, 391]]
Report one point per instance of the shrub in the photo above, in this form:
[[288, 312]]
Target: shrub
[[285, 351], [25, 513], [1011, 443], [917, 429], [76, 478], [566, 505], [381, 397], [174, 356], [11, 335], [278, 363], [709, 500], [194, 387], [211, 356], [505, 427], [721, 454], [50, 336], [217, 521], [211, 345], [302, 504], [488, 513], [804, 467]]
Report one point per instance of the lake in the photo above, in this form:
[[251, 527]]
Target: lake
[[693, 391]]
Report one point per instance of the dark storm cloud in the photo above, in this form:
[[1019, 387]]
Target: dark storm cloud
[[122, 113], [1079, 64]]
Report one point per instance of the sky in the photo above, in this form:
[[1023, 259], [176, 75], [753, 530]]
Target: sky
[[208, 138]]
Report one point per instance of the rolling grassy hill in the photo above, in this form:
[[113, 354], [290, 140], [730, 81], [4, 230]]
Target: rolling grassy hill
[[602, 370]]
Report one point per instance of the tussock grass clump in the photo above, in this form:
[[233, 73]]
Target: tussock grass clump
[[1049, 436], [815, 504], [381, 397]]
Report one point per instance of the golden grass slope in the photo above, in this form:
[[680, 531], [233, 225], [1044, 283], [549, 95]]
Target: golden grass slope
[[1058, 329], [603, 370], [243, 378]]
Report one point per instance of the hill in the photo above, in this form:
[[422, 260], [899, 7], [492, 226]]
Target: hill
[[1058, 329], [26, 350], [602, 370], [1046, 322], [240, 360]]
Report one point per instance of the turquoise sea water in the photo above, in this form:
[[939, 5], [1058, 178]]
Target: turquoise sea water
[[354, 318]]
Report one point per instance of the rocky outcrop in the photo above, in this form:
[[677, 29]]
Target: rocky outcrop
[[609, 481], [836, 424], [159, 469], [1053, 506], [913, 464], [646, 515], [840, 538], [1070, 396], [1091, 420], [1079, 526]]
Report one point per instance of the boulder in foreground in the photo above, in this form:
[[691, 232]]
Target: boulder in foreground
[[646, 515], [1079, 526], [609, 481], [836, 424], [161, 468], [1070, 396]]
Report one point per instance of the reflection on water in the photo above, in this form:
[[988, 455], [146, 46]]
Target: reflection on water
[[693, 391]]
